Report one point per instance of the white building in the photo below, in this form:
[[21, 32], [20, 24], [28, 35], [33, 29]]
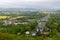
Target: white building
[[27, 32], [7, 22], [33, 33]]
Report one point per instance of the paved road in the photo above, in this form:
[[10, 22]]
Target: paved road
[[43, 20]]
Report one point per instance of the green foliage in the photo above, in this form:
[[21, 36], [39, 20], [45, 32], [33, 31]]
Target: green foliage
[[10, 32], [6, 36]]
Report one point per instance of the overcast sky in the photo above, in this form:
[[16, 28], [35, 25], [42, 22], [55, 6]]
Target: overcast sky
[[54, 4]]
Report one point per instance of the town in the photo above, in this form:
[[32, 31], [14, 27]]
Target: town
[[34, 24]]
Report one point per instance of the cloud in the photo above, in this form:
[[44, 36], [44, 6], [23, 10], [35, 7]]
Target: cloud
[[30, 4]]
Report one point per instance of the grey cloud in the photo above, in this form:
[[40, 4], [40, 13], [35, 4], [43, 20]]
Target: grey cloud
[[31, 4]]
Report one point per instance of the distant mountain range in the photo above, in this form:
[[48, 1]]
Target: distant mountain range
[[17, 9], [25, 9], [58, 11]]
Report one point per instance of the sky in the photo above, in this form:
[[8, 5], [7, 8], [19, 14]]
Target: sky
[[53, 4]]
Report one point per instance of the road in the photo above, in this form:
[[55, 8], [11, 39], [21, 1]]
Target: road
[[42, 21]]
